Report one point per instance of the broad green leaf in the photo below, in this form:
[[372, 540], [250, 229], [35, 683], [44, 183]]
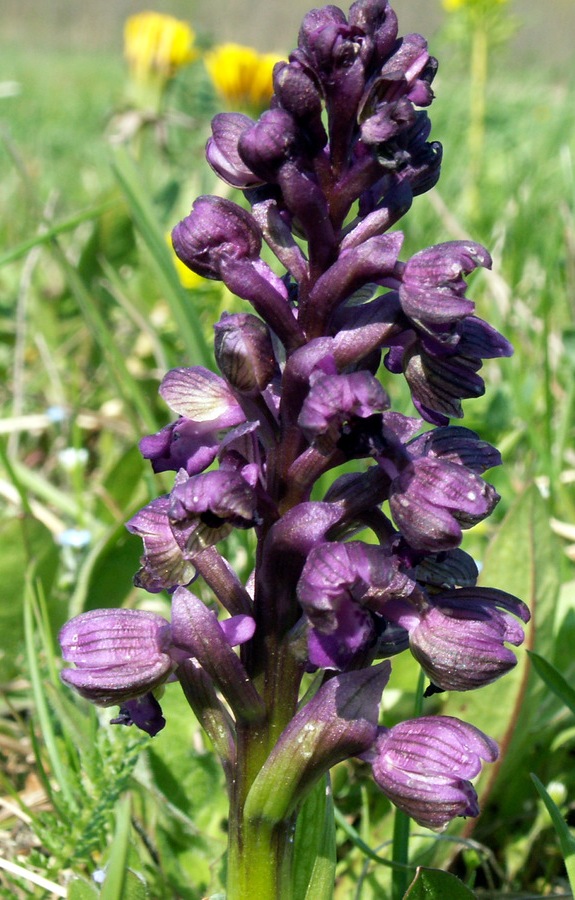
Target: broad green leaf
[[79, 889], [134, 888], [315, 849], [433, 884], [563, 657]]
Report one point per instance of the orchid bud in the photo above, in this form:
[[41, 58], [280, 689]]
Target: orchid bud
[[244, 352]]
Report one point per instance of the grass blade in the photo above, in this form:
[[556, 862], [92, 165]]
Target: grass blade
[[113, 887], [57, 764], [566, 841], [145, 220], [554, 680]]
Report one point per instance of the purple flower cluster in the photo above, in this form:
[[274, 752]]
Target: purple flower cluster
[[327, 171]]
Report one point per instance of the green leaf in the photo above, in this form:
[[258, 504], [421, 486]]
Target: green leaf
[[79, 889], [134, 888], [114, 886], [315, 847], [433, 884], [554, 680], [566, 840]]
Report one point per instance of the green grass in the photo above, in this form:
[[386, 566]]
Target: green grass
[[91, 316]]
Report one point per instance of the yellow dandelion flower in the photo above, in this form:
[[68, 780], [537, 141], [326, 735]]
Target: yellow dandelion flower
[[241, 75], [156, 46]]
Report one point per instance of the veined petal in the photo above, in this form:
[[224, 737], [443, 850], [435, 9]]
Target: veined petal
[[423, 764], [222, 150], [119, 654], [202, 396], [164, 566]]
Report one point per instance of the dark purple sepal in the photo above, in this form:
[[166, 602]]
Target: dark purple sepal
[[244, 352], [371, 261], [423, 766], [143, 712], [354, 631], [433, 288], [407, 73], [438, 383], [360, 493], [335, 572], [448, 569], [198, 633], [119, 654], [205, 508], [269, 143], [337, 54], [180, 445], [335, 400], [298, 92], [338, 722], [432, 500], [388, 120], [479, 340], [458, 445], [343, 587], [222, 150], [378, 20], [460, 638], [215, 230]]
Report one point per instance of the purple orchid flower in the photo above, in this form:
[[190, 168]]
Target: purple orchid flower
[[459, 636], [122, 656], [424, 766], [268, 445]]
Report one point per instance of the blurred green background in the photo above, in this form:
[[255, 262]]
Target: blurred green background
[[546, 30]]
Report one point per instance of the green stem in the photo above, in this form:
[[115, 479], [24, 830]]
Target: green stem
[[260, 853], [400, 876], [260, 861]]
